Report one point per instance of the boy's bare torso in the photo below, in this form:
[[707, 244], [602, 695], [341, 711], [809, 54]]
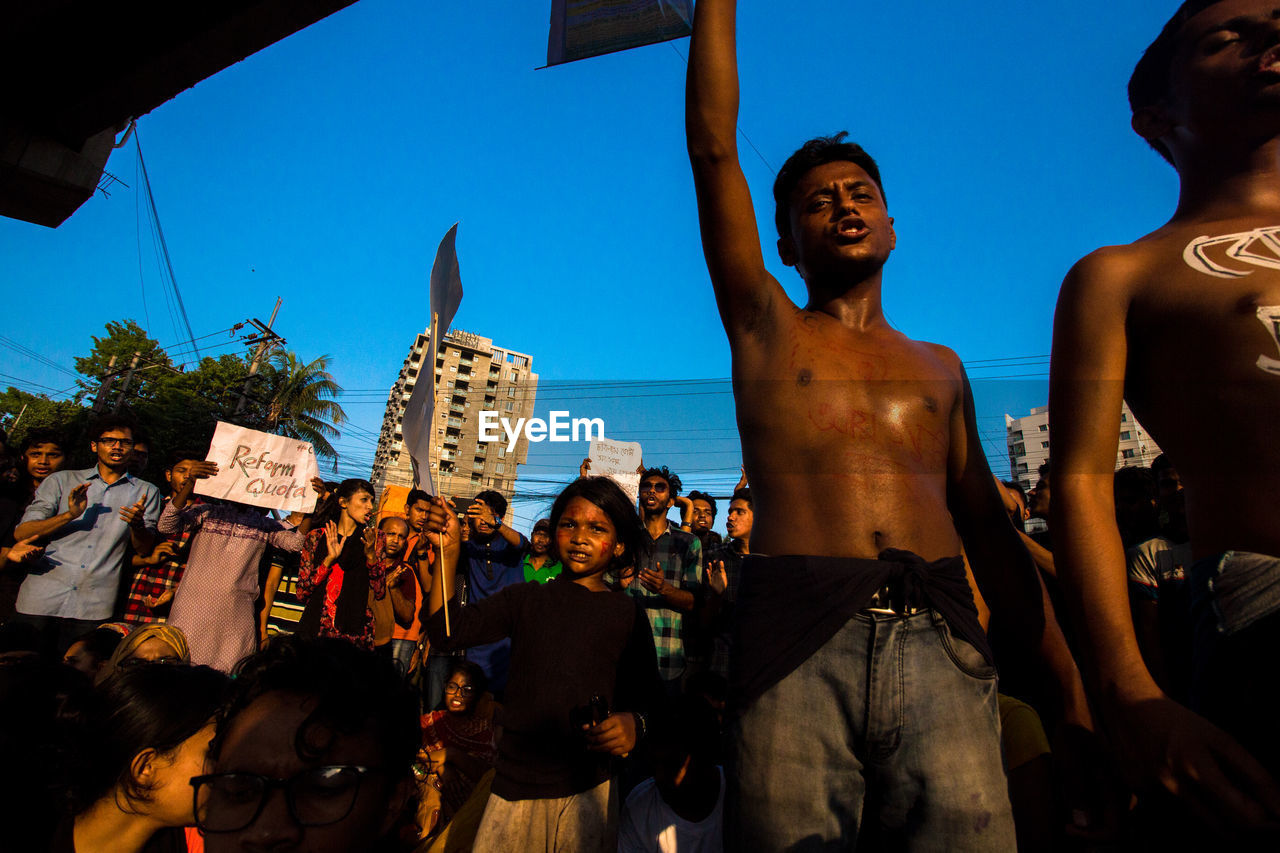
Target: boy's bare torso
[[846, 436], [1202, 373]]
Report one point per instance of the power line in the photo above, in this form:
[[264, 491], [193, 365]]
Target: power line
[[164, 247]]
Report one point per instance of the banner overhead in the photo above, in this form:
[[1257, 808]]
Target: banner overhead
[[584, 28]]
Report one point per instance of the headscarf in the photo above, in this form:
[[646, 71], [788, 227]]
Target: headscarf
[[172, 637]]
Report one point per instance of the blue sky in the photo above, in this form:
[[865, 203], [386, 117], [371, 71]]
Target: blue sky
[[326, 168]]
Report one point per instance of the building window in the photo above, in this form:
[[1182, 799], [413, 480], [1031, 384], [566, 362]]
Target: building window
[[1123, 417], [1126, 435], [511, 392], [511, 406], [500, 467], [502, 451], [1044, 427], [1045, 445], [1127, 454]]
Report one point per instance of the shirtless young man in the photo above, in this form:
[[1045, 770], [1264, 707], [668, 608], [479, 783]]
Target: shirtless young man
[[1185, 325], [863, 452]]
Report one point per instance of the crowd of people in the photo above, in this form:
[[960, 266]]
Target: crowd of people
[[889, 649]]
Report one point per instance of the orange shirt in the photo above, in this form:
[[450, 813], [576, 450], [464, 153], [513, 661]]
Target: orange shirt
[[414, 631]]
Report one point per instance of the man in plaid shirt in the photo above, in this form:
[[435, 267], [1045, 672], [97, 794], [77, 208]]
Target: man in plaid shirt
[[668, 581], [156, 576]]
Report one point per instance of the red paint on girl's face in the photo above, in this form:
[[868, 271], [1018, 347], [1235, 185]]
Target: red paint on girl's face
[[586, 540]]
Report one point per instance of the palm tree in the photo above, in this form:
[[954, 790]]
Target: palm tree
[[302, 404]]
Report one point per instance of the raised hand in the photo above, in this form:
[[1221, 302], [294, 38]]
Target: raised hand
[[442, 527], [717, 577], [135, 516], [204, 469], [318, 486], [742, 481], [25, 551], [334, 541], [584, 470], [686, 509], [481, 512], [78, 501], [370, 542]]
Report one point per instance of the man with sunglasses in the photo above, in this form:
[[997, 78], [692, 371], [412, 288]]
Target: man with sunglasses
[[84, 518], [667, 579]]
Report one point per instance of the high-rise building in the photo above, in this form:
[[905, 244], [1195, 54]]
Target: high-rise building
[[1028, 441], [472, 376]]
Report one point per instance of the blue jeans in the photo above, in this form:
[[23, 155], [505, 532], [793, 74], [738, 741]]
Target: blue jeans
[[402, 653], [434, 675], [887, 737]]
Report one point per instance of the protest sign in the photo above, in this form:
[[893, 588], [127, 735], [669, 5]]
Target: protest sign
[[619, 461], [261, 469], [586, 28], [391, 503]]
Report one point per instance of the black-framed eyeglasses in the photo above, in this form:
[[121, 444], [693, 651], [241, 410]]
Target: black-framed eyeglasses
[[116, 442], [454, 687], [229, 802]]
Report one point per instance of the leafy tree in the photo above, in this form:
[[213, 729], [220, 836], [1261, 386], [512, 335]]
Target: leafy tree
[[301, 401], [123, 339], [179, 410], [68, 417]]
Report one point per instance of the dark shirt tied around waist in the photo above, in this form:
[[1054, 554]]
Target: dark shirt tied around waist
[[789, 607]]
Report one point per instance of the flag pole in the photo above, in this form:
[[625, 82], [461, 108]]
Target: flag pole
[[435, 388]]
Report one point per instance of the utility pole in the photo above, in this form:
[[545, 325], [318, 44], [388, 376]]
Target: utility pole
[[267, 340], [128, 380], [101, 399]]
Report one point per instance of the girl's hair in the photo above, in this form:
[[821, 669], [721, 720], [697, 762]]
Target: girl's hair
[[147, 707], [473, 672], [330, 510], [613, 502]]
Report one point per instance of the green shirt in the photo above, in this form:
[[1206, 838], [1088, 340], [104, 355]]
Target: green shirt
[[542, 575]]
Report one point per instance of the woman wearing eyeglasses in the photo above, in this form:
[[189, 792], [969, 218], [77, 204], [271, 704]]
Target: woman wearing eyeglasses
[[460, 744], [146, 733]]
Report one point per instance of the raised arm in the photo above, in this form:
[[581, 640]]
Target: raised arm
[[1157, 740], [42, 519], [748, 296]]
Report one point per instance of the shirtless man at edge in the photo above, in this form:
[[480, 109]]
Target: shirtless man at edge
[[1184, 324], [863, 452]]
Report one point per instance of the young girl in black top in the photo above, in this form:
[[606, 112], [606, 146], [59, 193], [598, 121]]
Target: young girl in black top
[[578, 649]]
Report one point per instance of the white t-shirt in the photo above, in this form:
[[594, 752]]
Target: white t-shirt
[[650, 826]]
